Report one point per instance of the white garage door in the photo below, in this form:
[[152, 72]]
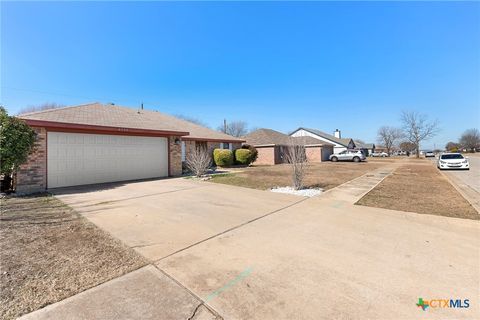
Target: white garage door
[[77, 158]]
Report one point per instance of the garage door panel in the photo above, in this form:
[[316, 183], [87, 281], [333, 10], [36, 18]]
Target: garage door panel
[[77, 158]]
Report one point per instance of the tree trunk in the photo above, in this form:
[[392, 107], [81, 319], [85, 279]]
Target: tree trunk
[[417, 149]]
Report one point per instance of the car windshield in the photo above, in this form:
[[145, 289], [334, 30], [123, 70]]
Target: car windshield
[[452, 156]]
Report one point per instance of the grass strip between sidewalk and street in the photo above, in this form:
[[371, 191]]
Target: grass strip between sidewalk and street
[[419, 187]]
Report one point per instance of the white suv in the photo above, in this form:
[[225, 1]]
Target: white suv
[[348, 155]]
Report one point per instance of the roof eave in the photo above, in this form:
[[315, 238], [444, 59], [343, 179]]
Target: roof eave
[[189, 138], [99, 129]]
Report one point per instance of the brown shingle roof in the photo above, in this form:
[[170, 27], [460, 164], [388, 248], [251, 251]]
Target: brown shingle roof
[[310, 141], [266, 137], [122, 117]]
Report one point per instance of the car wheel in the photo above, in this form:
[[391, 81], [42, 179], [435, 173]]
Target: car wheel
[[334, 159], [356, 159]]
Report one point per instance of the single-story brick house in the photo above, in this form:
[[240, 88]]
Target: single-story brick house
[[271, 146], [96, 143], [340, 144]]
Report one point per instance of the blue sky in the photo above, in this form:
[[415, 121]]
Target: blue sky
[[326, 65]]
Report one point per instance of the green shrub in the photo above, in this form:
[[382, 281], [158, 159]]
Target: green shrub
[[223, 157], [253, 152], [16, 142], [243, 156]]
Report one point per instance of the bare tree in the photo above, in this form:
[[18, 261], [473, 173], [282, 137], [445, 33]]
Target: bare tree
[[417, 128], [388, 136], [41, 107], [234, 128], [470, 139], [295, 155], [198, 161], [192, 120], [407, 146]]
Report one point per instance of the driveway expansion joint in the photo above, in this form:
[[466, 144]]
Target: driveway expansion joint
[[202, 302], [232, 228]]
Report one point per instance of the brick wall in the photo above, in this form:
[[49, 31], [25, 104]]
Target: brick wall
[[266, 156], [175, 157], [314, 154], [32, 175]]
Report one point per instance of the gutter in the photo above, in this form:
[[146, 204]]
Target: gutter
[[87, 128]]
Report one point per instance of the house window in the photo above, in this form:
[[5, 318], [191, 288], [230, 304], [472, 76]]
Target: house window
[[225, 145]]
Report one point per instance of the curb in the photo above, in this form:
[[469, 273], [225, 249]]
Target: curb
[[456, 185]]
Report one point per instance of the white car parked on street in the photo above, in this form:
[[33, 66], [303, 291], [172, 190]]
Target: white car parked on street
[[453, 161], [379, 154]]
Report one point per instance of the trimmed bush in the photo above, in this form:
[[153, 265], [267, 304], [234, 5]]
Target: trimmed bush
[[223, 157], [253, 152], [243, 156]]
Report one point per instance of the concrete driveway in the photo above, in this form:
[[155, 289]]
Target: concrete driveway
[[249, 254], [160, 217]]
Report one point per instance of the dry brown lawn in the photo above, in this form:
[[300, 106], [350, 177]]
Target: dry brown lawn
[[419, 187], [324, 175], [48, 253]]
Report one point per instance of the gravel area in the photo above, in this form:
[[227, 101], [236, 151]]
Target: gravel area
[[303, 192]]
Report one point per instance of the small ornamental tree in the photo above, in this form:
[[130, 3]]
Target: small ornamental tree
[[16, 142], [198, 161], [296, 156]]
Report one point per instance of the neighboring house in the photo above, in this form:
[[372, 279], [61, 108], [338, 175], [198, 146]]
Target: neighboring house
[[340, 144], [380, 149], [95, 143], [366, 148], [272, 146]]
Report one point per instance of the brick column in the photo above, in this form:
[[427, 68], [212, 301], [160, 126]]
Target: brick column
[[32, 175], [175, 156]]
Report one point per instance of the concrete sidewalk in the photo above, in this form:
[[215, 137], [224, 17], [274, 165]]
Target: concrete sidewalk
[[355, 189], [145, 294]]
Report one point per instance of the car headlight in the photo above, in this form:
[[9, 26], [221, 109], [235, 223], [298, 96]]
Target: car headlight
[[443, 162], [465, 161]]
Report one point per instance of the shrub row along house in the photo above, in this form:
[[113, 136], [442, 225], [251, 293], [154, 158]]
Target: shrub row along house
[[272, 146], [96, 143]]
